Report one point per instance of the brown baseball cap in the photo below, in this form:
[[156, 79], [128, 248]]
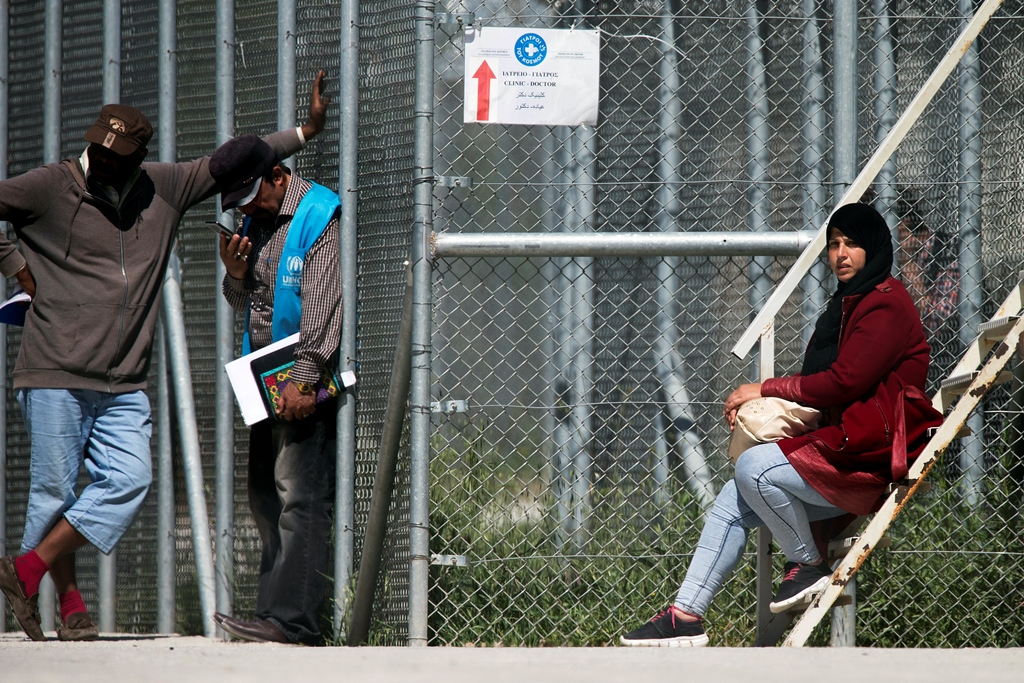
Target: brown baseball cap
[[121, 129]]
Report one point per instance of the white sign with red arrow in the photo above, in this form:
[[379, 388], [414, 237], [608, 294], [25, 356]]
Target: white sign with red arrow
[[537, 77]]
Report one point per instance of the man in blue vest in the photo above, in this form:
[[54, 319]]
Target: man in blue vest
[[283, 272]]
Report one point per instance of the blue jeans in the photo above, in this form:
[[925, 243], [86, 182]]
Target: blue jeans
[[766, 491], [291, 493], [109, 434]]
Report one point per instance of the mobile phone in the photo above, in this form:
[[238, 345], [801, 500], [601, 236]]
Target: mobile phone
[[220, 228]]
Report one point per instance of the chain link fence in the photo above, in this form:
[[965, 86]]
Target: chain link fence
[[576, 438], [384, 176], [577, 433]]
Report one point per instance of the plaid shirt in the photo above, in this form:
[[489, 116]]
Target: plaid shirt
[[320, 325]]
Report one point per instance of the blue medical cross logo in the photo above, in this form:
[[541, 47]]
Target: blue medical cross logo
[[531, 49]]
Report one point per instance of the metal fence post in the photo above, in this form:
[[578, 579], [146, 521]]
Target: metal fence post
[[111, 93], [419, 420], [579, 274], [225, 325], [167, 121], [845, 103], [174, 326], [814, 153], [972, 294], [348, 185], [758, 158], [164, 493], [885, 110], [53, 29], [111, 51], [670, 368], [286, 66]]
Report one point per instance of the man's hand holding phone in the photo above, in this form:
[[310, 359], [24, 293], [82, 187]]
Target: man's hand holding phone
[[220, 228]]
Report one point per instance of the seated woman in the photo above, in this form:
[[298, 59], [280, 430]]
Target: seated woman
[[865, 369]]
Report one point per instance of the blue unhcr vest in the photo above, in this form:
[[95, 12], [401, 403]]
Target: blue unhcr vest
[[311, 218]]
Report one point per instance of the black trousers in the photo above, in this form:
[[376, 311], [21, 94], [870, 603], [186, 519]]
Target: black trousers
[[291, 494]]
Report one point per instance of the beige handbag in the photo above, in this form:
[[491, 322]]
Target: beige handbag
[[768, 419]]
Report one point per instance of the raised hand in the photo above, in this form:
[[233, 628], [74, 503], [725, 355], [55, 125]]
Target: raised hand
[[317, 109]]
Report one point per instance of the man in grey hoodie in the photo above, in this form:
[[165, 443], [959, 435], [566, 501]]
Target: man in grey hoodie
[[96, 235]]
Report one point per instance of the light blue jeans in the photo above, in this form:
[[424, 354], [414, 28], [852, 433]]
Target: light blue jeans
[[766, 491], [109, 434]]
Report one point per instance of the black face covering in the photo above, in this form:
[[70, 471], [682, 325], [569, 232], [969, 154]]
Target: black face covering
[[866, 227]]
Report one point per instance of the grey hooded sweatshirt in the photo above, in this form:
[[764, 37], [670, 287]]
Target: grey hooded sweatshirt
[[98, 267]]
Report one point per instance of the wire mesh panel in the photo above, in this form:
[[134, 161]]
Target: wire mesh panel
[[562, 547], [385, 228], [577, 431]]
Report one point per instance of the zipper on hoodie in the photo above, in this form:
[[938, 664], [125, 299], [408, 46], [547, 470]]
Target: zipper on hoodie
[[124, 278], [124, 304]]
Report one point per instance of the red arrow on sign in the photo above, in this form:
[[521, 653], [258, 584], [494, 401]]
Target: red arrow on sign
[[483, 91]]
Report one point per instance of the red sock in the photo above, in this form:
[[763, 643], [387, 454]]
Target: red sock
[[31, 570], [70, 603]]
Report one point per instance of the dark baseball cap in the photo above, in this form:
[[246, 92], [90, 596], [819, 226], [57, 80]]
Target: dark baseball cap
[[121, 129], [238, 166]]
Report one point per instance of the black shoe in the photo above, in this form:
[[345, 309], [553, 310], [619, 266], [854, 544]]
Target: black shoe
[[664, 630], [255, 630], [800, 582]]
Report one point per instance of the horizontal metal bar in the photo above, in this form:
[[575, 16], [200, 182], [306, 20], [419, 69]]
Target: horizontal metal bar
[[461, 245]]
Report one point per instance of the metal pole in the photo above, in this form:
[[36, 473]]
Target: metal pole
[[164, 493], [578, 321], [107, 588], [667, 361], [174, 326], [763, 540], [5, 69], [620, 244], [561, 431], [758, 134], [419, 422], [844, 618], [53, 31], [759, 157], [972, 293], [225, 325], [384, 477], [845, 97], [167, 121], [815, 147], [348, 186], [286, 29], [111, 56], [885, 80]]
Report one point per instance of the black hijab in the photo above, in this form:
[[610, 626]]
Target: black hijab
[[866, 227]]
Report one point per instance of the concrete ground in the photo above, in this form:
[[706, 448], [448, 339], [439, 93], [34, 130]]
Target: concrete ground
[[175, 659]]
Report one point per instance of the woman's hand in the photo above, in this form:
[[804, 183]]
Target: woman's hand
[[739, 396]]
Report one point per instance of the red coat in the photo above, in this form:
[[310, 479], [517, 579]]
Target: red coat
[[881, 367]]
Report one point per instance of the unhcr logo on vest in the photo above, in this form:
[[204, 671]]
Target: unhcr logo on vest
[[294, 275]]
